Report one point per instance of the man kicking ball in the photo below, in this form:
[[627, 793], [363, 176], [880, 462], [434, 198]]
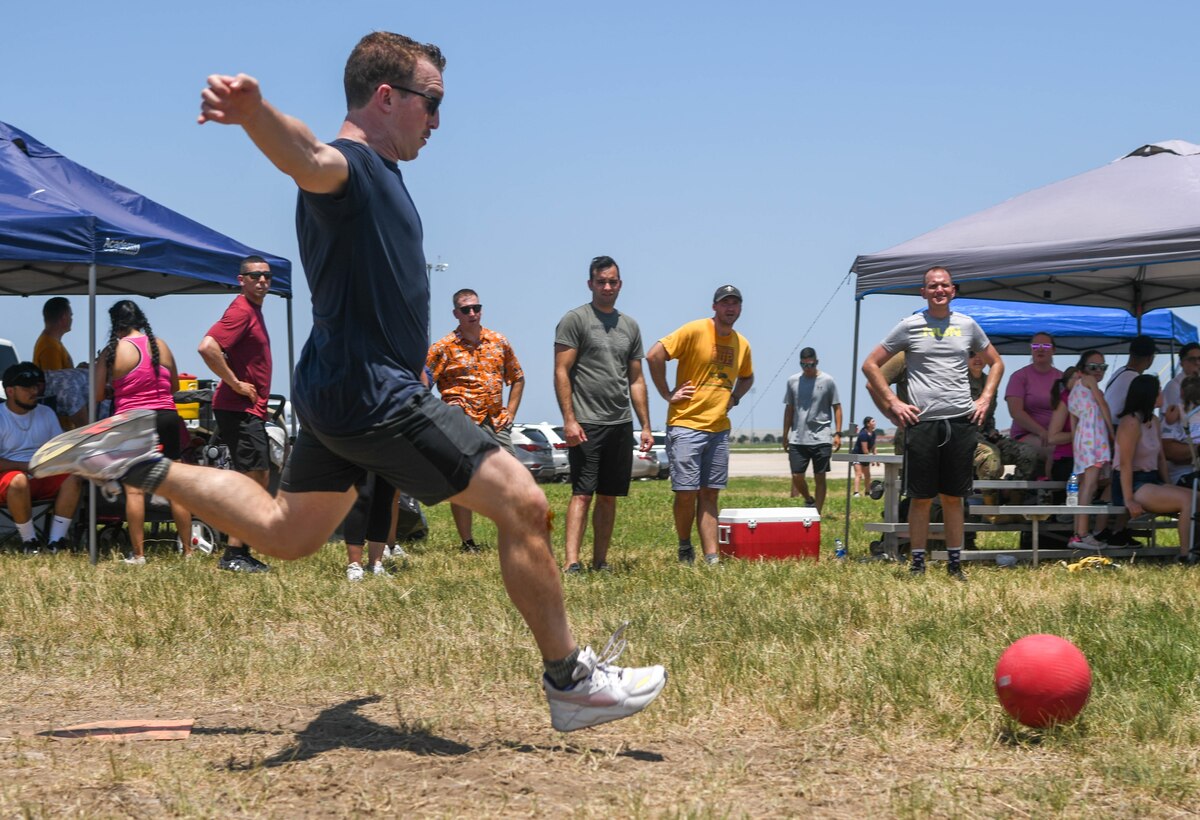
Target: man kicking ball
[[357, 385]]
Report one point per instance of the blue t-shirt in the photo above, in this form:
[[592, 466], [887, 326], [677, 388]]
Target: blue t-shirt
[[865, 443], [363, 257]]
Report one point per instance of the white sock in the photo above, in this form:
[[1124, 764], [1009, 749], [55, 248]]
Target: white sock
[[59, 527], [28, 533]]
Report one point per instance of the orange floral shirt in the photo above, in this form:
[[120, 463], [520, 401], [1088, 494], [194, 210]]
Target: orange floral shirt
[[473, 376]]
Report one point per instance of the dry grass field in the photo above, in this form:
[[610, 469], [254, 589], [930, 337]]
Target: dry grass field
[[797, 688]]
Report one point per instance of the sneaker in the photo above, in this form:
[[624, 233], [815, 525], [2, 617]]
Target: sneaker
[[60, 545], [241, 563], [136, 560], [858, 495], [602, 691], [602, 567], [1090, 541], [31, 547], [713, 560], [1121, 538], [956, 572], [377, 569], [574, 569], [354, 572], [687, 554], [469, 546], [809, 501], [398, 553], [259, 566], [102, 452], [387, 552]]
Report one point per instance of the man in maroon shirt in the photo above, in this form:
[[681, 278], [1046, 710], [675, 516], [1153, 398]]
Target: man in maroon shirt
[[238, 350]]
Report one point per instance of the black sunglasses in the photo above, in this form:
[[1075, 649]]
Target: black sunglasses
[[256, 275], [813, 363], [1096, 366], [431, 102], [471, 308]]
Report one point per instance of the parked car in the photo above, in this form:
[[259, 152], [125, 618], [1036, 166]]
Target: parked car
[[660, 451], [534, 451], [645, 464], [554, 434]]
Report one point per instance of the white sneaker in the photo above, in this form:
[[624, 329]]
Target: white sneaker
[[136, 560], [377, 568], [102, 452], [398, 553], [387, 552], [603, 691], [354, 572]]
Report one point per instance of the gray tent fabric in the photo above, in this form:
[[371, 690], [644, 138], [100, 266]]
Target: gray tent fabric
[[1125, 235]]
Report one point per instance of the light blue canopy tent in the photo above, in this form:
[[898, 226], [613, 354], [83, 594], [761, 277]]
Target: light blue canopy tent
[[1075, 328]]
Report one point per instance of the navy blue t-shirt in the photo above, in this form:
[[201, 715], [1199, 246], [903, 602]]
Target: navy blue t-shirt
[[363, 257], [865, 442]]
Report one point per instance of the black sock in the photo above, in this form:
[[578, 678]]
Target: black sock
[[918, 560], [561, 673], [147, 475], [953, 560]]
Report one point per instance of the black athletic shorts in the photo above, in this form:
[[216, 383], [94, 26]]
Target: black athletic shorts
[[245, 434], [603, 463], [939, 458], [429, 450], [799, 455], [170, 433]]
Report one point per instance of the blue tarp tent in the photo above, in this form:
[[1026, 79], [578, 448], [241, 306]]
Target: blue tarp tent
[[1075, 328], [58, 219], [65, 229]]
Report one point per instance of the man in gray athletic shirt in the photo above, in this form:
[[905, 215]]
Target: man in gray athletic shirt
[[941, 421], [597, 370]]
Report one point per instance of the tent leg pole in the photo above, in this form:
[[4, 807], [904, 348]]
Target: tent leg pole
[[291, 364], [93, 548], [853, 425]]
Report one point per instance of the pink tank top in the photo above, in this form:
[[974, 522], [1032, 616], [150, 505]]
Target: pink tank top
[[140, 388], [1145, 454]]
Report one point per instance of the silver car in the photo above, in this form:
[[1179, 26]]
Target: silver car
[[534, 451], [645, 464], [554, 434]]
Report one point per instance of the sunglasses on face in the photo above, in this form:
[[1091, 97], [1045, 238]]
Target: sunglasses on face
[[1098, 367], [1040, 346], [432, 103], [471, 309], [813, 363], [256, 275]]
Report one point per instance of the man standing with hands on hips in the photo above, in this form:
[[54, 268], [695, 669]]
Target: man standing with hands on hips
[[714, 373], [237, 350], [942, 420]]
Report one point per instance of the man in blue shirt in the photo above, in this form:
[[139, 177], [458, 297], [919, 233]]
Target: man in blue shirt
[[357, 385]]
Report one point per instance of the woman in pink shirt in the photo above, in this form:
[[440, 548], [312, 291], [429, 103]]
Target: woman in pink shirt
[[1028, 395], [140, 369]]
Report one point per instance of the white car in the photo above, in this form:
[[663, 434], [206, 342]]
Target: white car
[[554, 434]]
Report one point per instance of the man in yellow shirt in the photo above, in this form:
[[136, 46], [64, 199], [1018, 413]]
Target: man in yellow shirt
[[64, 382], [713, 374]]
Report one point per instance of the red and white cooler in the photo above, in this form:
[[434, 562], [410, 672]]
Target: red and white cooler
[[770, 532]]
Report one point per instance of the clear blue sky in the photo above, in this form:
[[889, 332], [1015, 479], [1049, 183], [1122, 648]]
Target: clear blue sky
[[761, 144]]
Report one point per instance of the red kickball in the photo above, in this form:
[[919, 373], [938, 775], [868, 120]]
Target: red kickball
[[1043, 679]]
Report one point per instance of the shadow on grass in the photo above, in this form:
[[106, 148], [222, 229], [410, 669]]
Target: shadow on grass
[[1014, 734], [341, 727]]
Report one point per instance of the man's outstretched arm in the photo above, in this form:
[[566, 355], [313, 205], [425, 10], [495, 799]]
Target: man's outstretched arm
[[286, 141]]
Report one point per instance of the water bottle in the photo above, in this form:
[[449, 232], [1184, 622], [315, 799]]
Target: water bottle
[[1073, 491], [839, 549]]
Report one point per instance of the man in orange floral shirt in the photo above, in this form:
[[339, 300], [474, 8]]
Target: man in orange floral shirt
[[470, 366]]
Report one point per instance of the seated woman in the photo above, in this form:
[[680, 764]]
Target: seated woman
[[1139, 467]]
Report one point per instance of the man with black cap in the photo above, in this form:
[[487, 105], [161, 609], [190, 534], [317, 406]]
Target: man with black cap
[[25, 426], [713, 374]]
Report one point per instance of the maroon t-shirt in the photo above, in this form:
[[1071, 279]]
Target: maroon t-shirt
[[242, 334]]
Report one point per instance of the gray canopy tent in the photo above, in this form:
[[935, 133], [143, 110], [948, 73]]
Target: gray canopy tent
[[1125, 235]]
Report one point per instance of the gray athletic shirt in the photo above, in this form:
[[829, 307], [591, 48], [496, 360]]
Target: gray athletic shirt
[[936, 354], [812, 402], [604, 344]]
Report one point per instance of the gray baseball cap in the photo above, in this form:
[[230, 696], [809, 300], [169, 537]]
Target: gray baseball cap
[[727, 290]]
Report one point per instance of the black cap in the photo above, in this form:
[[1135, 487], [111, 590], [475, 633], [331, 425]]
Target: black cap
[[23, 374], [727, 290]]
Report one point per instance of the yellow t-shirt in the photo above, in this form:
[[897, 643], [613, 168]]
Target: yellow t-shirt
[[49, 354], [713, 364]]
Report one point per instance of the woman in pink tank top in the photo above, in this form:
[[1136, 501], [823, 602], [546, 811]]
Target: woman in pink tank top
[[140, 370]]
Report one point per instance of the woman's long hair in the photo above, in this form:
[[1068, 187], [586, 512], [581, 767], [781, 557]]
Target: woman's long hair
[[126, 316], [1143, 392], [1060, 386]]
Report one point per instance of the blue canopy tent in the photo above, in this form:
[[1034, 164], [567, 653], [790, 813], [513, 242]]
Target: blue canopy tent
[[1075, 328], [65, 229]]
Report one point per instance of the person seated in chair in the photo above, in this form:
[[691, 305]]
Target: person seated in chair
[[25, 426]]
